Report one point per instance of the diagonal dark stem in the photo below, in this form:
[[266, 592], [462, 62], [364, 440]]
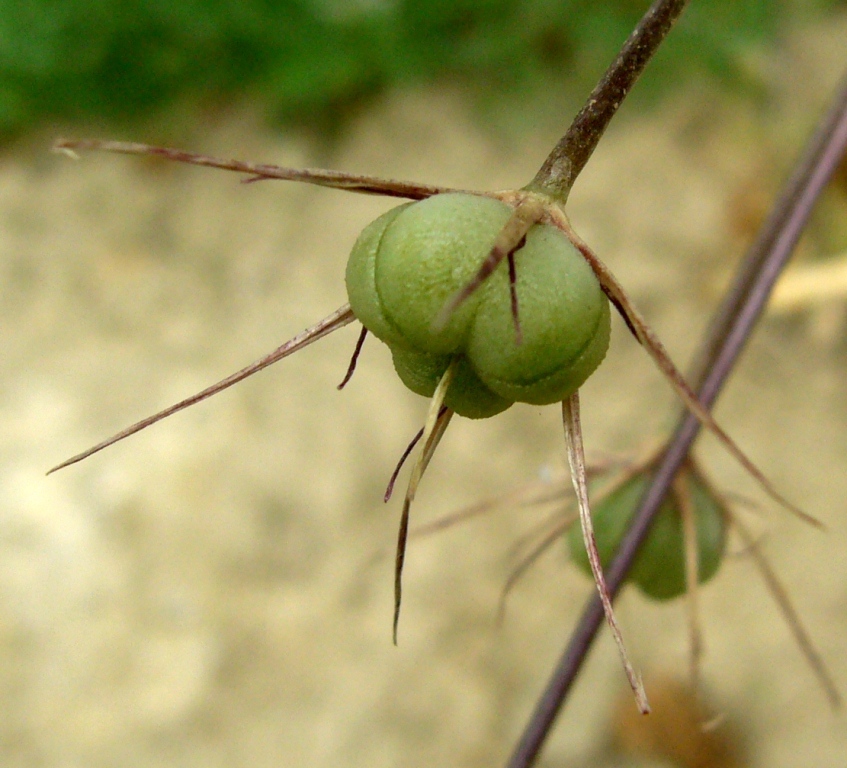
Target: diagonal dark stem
[[569, 156], [729, 332]]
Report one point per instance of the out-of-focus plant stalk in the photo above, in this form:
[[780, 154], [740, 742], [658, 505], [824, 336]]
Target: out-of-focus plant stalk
[[734, 321]]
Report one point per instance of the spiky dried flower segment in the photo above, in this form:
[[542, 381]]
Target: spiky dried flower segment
[[485, 299], [576, 461]]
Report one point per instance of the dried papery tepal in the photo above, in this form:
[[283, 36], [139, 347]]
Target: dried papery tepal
[[484, 299]]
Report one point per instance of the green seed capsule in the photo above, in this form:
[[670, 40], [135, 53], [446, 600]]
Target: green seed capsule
[[427, 254], [411, 261], [467, 395], [361, 281], [659, 568], [564, 316]]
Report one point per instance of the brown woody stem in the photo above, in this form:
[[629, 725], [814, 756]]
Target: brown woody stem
[[569, 156]]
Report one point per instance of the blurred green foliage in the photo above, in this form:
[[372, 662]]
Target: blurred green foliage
[[311, 60]]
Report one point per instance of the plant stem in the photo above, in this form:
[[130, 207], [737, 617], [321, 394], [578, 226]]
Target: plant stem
[[733, 324], [569, 156]]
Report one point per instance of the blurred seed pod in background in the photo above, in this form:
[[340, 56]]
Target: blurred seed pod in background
[[659, 570]]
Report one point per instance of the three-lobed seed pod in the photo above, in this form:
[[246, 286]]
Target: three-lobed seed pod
[[408, 263], [659, 567]]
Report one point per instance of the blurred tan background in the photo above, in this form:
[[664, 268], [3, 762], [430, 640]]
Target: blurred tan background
[[217, 591]]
